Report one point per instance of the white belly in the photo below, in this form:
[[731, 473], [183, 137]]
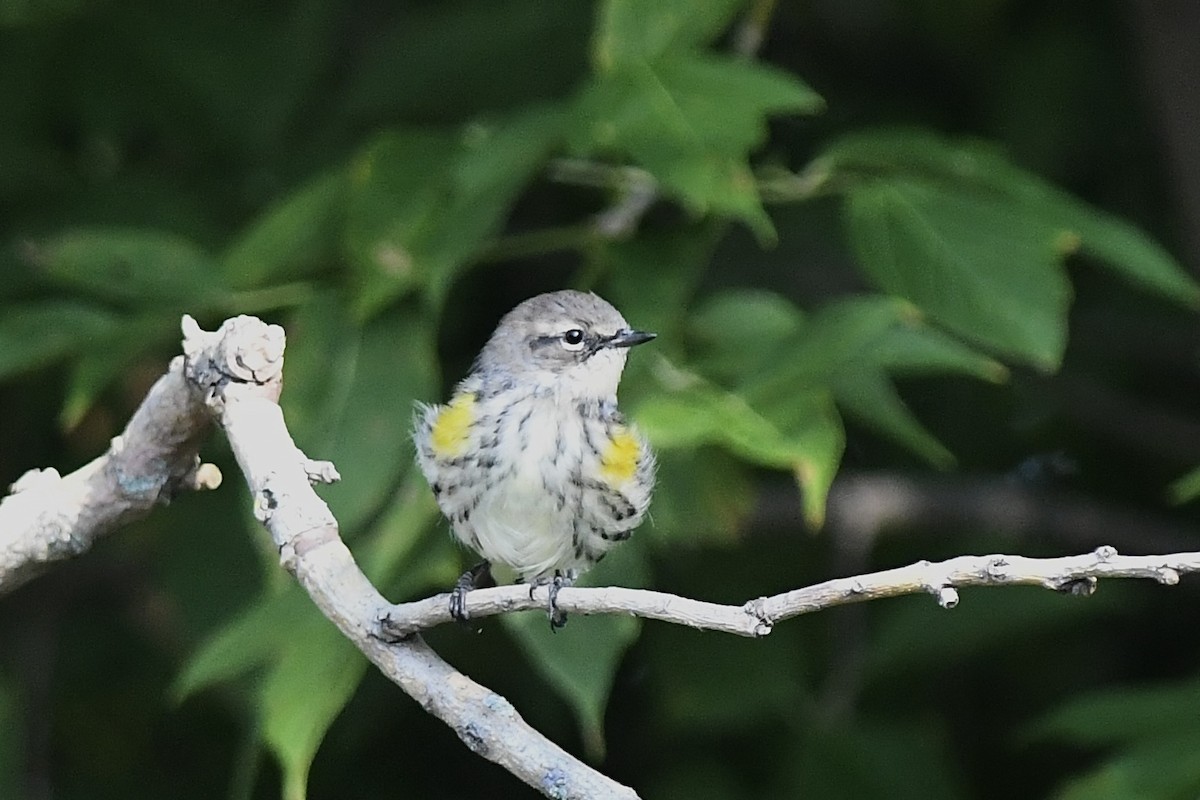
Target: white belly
[[520, 520]]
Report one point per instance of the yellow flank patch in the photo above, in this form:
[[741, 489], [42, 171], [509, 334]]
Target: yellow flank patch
[[619, 460], [451, 429]]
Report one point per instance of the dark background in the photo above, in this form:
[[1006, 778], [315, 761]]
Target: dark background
[[196, 120]]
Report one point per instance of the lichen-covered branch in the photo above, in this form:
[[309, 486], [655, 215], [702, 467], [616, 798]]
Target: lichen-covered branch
[[49, 518]]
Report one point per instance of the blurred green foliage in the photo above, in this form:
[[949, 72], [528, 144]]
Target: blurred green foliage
[[861, 276]]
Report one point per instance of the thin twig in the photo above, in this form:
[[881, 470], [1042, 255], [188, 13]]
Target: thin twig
[[1070, 574]]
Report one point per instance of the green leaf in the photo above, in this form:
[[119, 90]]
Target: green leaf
[[350, 394], [652, 276], [311, 671], [803, 435], [499, 158], [107, 358], [298, 236], [763, 346], [871, 397], [744, 320], [581, 659], [982, 266], [36, 334], [740, 333], [1160, 766], [632, 29], [248, 641], [423, 202], [692, 121], [1131, 254], [703, 495], [915, 348], [842, 335], [979, 243], [315, 676], [1123, 715], [1186, 488], [724, 101], [395, 199], [1120, 246], [140, 268], [394, 545]]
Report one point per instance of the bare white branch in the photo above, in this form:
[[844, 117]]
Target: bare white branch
[[48, 518], [241, 368], [1071, 574]]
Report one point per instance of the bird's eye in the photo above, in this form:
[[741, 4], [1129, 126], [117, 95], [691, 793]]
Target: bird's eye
[[573, 339]]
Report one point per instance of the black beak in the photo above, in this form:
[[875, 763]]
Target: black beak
[[628, 338]]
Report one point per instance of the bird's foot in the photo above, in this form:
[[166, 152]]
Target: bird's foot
[[477, 577], [558, 617]]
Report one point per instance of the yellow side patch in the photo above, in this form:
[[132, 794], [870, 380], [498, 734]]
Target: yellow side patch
[[451, 429], [619, 461]]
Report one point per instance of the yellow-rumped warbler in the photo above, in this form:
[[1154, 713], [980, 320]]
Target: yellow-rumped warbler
[[530, 460]]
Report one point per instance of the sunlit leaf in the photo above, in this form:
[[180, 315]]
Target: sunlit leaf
[[692, 120], [973, 166], [978, 264], [803, 435], [979, 244]]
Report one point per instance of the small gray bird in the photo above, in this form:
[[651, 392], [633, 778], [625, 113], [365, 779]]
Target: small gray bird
[[530, 460]]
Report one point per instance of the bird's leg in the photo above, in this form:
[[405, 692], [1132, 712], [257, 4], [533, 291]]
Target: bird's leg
[[477, 577], [558, 617]]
